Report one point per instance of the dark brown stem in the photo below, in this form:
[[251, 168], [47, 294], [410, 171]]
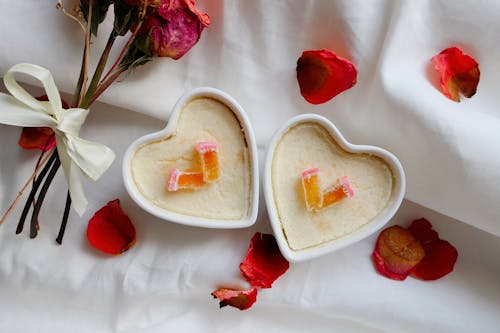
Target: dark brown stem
[[34, 189], [41, 196], [64, 221]]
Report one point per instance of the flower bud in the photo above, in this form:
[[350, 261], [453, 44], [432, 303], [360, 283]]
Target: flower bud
[[174, 28]]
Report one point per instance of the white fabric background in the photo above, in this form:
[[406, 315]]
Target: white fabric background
[[450, 153]]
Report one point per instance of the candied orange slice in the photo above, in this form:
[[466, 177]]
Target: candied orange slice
[[342, 189], [184, 180], [209, 160], [317, 199], [312, 193]]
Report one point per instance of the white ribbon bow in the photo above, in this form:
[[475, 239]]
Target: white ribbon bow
[[76, 154]]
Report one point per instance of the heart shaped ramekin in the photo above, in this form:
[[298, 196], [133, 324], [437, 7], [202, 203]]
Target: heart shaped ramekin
[[169, 131], [394, 198]]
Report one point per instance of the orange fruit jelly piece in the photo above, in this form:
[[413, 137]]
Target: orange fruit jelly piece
[[209, 160], [342, 189], [312, 193], [184, 180], [190, 179]]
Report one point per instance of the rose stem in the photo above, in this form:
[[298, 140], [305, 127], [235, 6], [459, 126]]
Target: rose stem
[[64, 221], [21, 191], [85, 61], [100, 67], [104, 85], [32, 194], [41, 196], [123, 51]]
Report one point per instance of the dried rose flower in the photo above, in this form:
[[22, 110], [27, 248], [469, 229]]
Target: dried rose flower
[[174, 28]]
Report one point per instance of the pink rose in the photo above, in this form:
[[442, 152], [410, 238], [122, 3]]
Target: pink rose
[[174, 28]]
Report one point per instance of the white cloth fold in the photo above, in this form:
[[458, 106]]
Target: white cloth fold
[[75, 154]]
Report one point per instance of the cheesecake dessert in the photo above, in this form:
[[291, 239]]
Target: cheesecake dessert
[[322, 192], [202, 168]]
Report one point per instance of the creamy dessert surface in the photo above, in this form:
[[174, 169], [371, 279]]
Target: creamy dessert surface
[[201, 119], [310, 145]]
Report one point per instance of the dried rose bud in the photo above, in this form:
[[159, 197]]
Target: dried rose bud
[[174, 28]]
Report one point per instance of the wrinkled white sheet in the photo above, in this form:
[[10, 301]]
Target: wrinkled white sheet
[[450, 153]]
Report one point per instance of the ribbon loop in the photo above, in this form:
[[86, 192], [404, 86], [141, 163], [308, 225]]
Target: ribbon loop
[[77, 155]]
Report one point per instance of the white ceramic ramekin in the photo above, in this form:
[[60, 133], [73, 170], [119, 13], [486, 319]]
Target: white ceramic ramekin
[[380, 220], [247, 131]]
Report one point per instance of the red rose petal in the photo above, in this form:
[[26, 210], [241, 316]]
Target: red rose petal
[[459, 73], [422, 230], [110, 229], [396, 253], [264, 262], [39, 137], [440, 258], [323, 75], [241, 299]]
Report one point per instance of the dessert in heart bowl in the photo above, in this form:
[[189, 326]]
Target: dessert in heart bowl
[[202, 169], [324, 193]]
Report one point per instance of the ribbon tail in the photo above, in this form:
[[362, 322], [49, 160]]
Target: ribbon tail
[[72, 174], [93, 158], [13, 112]]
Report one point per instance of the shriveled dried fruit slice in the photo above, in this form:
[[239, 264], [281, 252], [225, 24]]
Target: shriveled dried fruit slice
[[322, 75], [264, 262], [110, 229], [440, 258], [208, 152], [422, 230], [312, 192], [396, 253], [459, 73], [241, 299]]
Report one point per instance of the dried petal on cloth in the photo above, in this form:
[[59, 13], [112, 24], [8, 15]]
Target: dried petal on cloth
[[264, 262], [459, 73], [323, 75], [110, 229], [241, 299], [440, 255]]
